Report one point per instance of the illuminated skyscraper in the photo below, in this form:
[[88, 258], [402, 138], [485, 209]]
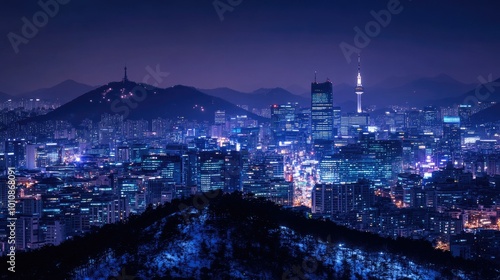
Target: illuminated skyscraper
[[465, 112], [220, 117], [283, 121], [451, 144], [220, 170], [15, 151], [328, 199], [337, 117], [430, 120], [322, 111]]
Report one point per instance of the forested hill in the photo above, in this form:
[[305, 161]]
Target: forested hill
[[232, 236]]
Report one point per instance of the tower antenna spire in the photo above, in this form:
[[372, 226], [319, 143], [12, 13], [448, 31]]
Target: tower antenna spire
[[125, 78], [359, 63], [315, 74], [359, 86]]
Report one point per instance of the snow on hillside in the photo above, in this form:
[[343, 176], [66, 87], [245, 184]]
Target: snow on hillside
[[193, 249]]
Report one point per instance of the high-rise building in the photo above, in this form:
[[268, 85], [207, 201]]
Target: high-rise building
[[137, 151], [220, 170], [122, 154], [54, 232], [15, 152], [220, 117], [159, 127], [31, 153], [159, 191], [464, 113], [413, 122], [322, 195], [27, 232], [354, 123], [211, 166], [388, 155], [375, 160], [169, 167], [430, 120], [130, 188], [281, 192], [337, 120], [451, 144], [30, 206], [322, 111], [233, 165], [283, 121], [328, 199]]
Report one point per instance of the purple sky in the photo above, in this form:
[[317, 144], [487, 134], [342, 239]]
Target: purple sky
[[258, 44]]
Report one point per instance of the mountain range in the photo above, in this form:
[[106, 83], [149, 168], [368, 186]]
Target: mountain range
[[393, 91], [441, 90], [140, 101], [62, 92], [5, 96], [261, 98]]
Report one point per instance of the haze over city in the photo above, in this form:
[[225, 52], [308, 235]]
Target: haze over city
[[257, 44]]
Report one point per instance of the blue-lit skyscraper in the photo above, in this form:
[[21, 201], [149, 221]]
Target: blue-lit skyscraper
[[451, 144], [15, 154], [465, 113], [322, 111]]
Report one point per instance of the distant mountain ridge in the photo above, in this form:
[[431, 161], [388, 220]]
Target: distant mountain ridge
[[141, 101], [392, 91], [5, 96], [63, 92], [260, 98], [419, 92]]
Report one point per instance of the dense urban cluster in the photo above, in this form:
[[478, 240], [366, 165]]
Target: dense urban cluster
[[423, 173]]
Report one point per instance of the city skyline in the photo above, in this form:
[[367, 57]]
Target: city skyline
[[237, 139], [282, 48]]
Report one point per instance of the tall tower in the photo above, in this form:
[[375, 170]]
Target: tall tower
[[125, 78], [359, 86]]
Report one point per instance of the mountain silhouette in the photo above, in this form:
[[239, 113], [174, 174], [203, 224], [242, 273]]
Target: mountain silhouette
[[260, 98], [142, 101], [62, 92]]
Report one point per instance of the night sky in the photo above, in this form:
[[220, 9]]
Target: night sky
[[257, 44]]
